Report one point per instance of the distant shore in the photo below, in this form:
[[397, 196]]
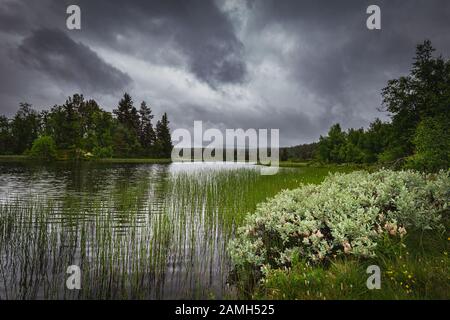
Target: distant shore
[[18, 158], [282, 164]]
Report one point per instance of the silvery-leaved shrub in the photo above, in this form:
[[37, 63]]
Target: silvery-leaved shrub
[[345, 215]]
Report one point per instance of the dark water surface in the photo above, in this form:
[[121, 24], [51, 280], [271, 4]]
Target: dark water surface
[[147, 231]]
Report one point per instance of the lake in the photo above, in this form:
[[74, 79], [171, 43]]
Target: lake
[[136, 231]]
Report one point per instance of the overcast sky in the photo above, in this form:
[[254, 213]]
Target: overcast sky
[[298, 66]]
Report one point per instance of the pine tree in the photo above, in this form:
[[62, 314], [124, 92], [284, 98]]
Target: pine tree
[[411, 99], [147, 136], [6, 139], [25, 128], [164, 144], [127, 114]]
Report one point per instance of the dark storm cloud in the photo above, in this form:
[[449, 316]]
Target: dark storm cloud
[[55, 54], [296, 65], [290, 124], [197, 29], [339, 59]]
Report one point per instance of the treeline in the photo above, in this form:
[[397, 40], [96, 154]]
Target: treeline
[[304, 152], [82, 129], [418, 134], [355, 145]]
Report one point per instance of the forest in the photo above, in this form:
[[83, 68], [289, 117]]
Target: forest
[[417, 135], [81, 129]]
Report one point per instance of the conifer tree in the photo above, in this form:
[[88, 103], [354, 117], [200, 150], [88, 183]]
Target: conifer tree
[[127, 114], [164, 144], [147, 136]]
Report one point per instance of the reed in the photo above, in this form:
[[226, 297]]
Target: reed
[[153, 239]]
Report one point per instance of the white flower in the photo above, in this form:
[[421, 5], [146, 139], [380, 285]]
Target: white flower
[[319, 234], [402, 231], [347, 247]]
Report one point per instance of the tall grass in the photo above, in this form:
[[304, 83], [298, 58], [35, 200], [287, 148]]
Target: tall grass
[[154, 239]]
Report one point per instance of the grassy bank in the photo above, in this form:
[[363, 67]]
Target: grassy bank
[[12, 158], [282, 164], [133, 160], [416, 268], [293, 164], [18, 158]]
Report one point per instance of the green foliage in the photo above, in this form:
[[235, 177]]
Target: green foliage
[[355, 145], [284, 155], [24, 128], [127, 114], [64, 123], [80, 128], [304, 152], [44, 148], [418, 106], [102, 152], [432, 142], [375, 140], [147, 136], [125, 142], [345, 215], [424, 93], [164, 142], [331, 147], [6, 140], [419, 103]]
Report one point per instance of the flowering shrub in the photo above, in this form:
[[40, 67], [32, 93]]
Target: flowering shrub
[[345, 215]]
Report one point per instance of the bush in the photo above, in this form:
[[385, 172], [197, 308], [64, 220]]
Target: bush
[[44, 148], [432, 142], [346, 215], [102, 153]]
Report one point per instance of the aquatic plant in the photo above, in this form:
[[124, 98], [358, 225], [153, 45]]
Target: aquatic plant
[[147, 232]]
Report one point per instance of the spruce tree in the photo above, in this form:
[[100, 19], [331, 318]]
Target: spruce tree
[[416, 97], [163, 138], [147, 136], [127, 114], [24, 128]]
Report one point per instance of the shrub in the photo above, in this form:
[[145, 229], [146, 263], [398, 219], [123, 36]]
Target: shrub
[[102, 153], [432, 142], [346, 215], [44, 148]]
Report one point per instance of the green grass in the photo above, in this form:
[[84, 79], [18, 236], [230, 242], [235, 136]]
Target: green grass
[[416, 268], [13, 158], [132, 160], [293, 164], [19, 158], [313, 164], [127, 244]]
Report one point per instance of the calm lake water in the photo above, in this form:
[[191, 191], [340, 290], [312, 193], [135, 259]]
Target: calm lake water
[[137, 230]]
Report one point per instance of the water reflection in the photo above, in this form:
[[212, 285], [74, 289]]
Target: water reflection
[[138, 231]]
